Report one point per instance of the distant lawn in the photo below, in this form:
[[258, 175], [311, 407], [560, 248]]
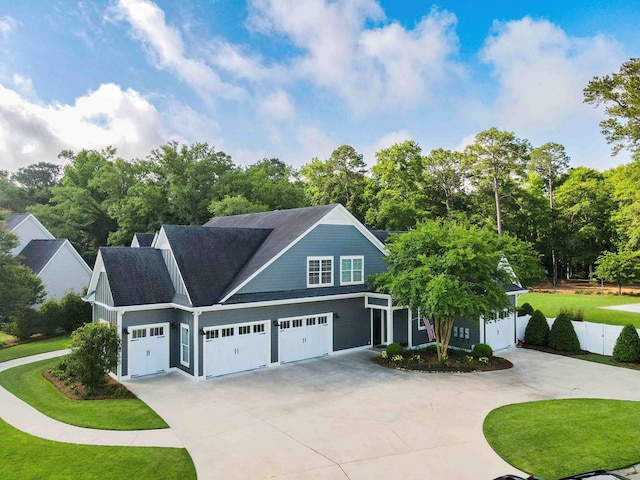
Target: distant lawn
[[5, 337], [551, 303], [27, 383], [555, 438], [35, 347], [27, 457]]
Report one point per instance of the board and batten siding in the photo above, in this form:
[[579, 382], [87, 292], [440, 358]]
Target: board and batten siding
[[103, 290], [101, 313], [289, 272], [400, 326], [174, 272]]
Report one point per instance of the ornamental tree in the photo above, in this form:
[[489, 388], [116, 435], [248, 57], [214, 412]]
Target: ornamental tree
[[447, 269], [94, 352]]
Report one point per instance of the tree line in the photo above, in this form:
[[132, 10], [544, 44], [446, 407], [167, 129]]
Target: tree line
[[571, 216]]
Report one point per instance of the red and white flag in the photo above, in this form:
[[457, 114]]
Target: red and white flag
[[431, 332]]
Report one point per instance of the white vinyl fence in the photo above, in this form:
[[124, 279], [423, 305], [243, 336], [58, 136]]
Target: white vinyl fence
[[594, 337]]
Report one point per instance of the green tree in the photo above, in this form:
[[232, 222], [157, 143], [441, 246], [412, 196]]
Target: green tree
[[395, 195], [620, 93], [445, 169], [623, 182], [496, 158], [19, 287], [11, 197], [447, 269], [95, 349], [36, 181], [272, 183], [550, 161], [621, 268], [339, 179], [235, 205]]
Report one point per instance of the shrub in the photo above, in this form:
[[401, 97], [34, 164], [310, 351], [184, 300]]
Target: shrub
[[482, 350], [75, 312], [95, 348], [576, 316], [525, 309], [394, 349], [627, 347], [23, 324], [562, 335], [537, 331], [51, 316]]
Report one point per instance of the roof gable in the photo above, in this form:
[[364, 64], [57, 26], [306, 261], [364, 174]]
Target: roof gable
[[12, 220], [137, 276], [210, 258], [142, 239], [38, 253]]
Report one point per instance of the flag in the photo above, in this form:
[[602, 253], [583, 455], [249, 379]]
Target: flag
[[431, 332]]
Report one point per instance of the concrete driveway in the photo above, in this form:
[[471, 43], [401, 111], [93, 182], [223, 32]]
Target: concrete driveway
[[343, 417]]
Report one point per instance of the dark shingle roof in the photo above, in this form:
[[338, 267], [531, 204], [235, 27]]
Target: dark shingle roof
[[210, 258], [12, 220], [286, 226], [144, 239], [37, 253], [137, 276], [383, 235]]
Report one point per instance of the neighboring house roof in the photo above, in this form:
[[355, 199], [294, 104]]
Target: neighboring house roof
[[137, 276], [210, 258], [383, 235], [12, 220], [38, 253], [144, 239], [286, 226]]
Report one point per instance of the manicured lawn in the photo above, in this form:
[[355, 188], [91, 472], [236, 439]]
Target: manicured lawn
[[5, 337], [27, 457], [32, 348], [555, 438], [27, 383], [551, 303]]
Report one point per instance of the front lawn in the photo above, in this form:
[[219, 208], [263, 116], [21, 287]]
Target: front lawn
[[5, 338], [555, 438], [27, 457], [27, 383], [551, 303], [35, 347]]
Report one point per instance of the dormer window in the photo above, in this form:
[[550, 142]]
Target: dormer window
[[319, 272], [351, 270]]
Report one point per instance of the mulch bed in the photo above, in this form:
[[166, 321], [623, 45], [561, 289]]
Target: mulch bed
[[110, 390], [430, 363]]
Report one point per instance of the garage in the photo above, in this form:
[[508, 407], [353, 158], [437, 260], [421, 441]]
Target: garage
[[300, 338], [148, 349], [235, 348]]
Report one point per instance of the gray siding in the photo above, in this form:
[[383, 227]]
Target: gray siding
[[101, 313], [64, 273], [103, 290], [474, 334], [289, 272], [174, 272], [400, 331], [418, 337]]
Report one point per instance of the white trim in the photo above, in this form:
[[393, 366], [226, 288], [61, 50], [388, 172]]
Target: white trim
[[185, 326], [351, 258], [119, 330], [77, 255], [339, 208], [98, 268], [320, 260], [46, 232], [196, 345]]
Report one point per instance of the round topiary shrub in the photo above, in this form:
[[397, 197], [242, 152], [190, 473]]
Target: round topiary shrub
[[627, 348], [562, 335], [394, 349], [525, 309], [482, 350], [537, 331]]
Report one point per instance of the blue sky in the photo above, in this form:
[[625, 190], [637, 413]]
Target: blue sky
[[295, 79]]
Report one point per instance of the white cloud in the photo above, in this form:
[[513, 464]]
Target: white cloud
[[31, 132], [384, 67], [277, 106], [7, 25], [166, 49]]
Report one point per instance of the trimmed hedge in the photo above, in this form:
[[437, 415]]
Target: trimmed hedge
[[482, 350], [627, 347], [525, 309], [537, 331], [562, 335], [394, 349]]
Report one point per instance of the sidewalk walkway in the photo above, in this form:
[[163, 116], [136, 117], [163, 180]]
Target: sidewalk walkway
[[26, 418]]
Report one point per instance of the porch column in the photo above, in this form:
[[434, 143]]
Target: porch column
[[389, 311]]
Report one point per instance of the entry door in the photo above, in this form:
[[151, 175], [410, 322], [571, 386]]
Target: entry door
[[304, 337], [148, 349], [379, 326]]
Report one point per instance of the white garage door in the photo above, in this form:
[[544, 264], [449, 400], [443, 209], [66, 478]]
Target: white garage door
[[304, 337], [148, 351], [235, 348], [500, 333]]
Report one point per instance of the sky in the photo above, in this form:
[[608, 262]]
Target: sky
[[295, 79]]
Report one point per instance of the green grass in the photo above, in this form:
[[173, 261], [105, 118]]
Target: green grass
[[551, 303], [27, 383], [32, 348], [27, 457], [5, 337], [555, 438]]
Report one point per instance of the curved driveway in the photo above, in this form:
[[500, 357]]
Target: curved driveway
[[343, 417]]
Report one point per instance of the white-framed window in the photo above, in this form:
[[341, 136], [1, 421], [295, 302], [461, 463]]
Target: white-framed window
[[319, 271], [351, 270], [184, 344]]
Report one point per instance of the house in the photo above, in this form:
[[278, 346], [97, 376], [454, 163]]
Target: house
[[143, 239], [248, 291], [55, 261]]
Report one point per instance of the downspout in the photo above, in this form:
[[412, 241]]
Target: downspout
[[196, 345]]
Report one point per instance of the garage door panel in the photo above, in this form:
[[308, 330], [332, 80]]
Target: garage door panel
[[235, 348], [304, 337], [148, 349]]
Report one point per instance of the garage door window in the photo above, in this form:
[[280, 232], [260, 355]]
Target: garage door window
[[184, 344]]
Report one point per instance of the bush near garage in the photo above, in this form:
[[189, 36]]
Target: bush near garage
[[627, 347], [482, 350], [525, 309], [394, 349], [537, 331], [562, 335]]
